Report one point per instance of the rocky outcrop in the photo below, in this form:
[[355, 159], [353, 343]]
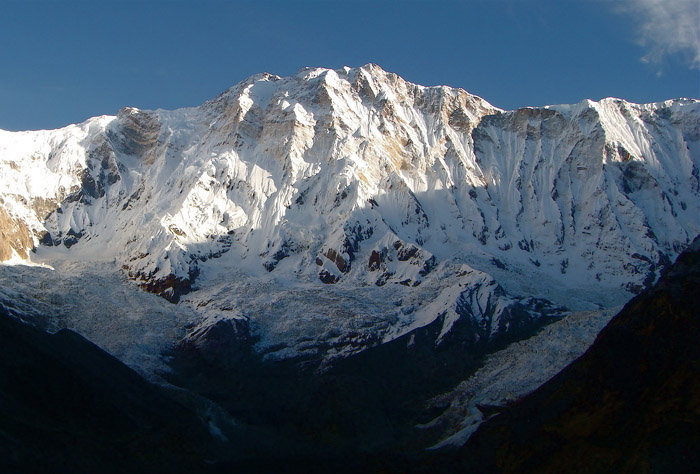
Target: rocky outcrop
[[15, 238], [221, 342], [139, 133]]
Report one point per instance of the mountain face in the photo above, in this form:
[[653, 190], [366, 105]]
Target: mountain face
[[629, 404], [344, 229], [371, 205]]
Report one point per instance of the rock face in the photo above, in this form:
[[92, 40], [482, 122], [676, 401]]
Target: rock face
[[332, 184], [15, 239], [629, 404]]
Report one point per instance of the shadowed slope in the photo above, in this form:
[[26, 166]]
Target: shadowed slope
[[630, 404], [68, 406]]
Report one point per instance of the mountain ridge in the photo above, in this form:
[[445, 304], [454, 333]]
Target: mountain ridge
[[354, 178]]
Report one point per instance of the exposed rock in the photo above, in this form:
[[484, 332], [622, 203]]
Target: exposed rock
[[15, 238], [222, 342], [171, 287], [140, 130], [43, 207], [328, 278], [375, 259]]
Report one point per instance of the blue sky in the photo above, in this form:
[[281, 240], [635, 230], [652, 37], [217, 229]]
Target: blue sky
[[62, 62]]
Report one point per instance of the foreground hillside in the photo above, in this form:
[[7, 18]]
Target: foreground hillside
[[67, 406], [629, 404]]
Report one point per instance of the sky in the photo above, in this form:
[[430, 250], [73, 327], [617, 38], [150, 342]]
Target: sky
[[62, 62]]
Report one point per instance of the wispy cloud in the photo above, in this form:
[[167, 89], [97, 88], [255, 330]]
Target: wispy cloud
[[666, 27]]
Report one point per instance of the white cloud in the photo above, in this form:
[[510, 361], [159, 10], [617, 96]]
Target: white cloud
[[666, 27]]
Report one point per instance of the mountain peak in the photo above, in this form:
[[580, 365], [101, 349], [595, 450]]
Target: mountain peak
[[356, 178]]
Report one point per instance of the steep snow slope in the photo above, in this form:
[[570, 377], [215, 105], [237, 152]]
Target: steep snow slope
[[336, 209]]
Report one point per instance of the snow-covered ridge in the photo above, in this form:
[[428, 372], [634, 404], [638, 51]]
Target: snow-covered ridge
[[331, 182]]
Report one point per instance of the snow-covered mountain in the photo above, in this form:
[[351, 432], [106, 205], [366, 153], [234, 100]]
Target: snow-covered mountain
[[336, 209]]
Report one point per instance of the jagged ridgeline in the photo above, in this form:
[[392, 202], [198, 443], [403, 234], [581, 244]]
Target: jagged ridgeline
[[336, 220], [355, 177]]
